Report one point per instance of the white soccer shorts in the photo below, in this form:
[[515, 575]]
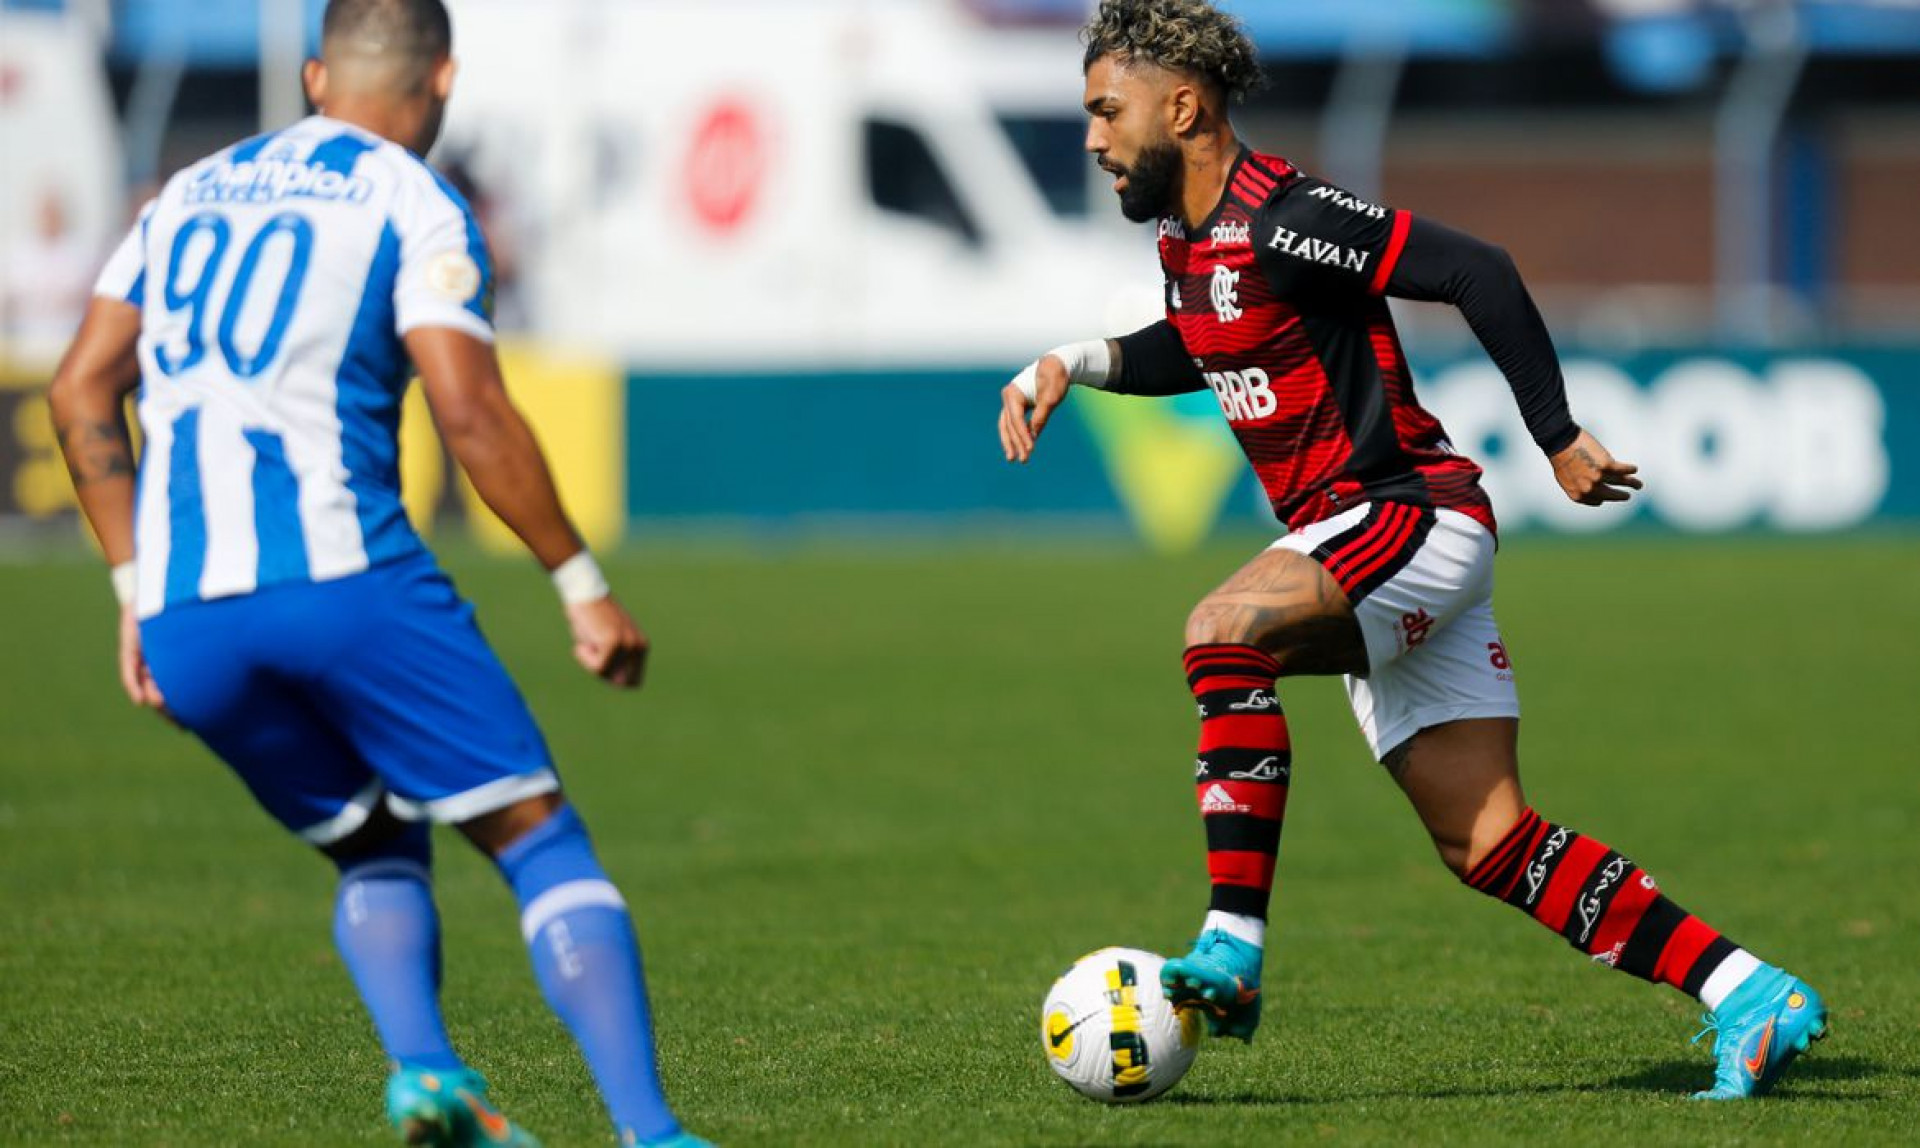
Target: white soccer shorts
[[1421, 583]]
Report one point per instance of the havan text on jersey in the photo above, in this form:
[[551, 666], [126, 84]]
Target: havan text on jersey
[[1278, 297]]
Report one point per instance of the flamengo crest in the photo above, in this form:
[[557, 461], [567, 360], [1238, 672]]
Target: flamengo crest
[[1226, 293]]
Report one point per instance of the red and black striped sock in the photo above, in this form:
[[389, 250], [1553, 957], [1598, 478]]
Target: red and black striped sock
[[1602, 903], [1242, 773]]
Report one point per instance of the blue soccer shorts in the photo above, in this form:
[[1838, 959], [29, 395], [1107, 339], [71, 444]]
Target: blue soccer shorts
[[328, 698]]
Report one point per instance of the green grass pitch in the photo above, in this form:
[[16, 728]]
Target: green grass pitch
[[873, 800]]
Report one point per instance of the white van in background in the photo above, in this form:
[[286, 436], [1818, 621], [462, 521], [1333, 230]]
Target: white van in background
[[789, 183], [62, 195]]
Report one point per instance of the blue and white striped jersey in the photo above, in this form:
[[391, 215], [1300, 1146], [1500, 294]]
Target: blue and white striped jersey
[[275, 280]]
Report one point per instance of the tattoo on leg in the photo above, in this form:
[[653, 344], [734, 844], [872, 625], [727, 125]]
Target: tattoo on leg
[[1289, 608], [1396, 759]]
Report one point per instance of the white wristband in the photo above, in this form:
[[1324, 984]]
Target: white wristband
[[1087, 365], [123, 585], [579, 580]]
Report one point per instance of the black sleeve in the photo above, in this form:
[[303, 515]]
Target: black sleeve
[[1318, 244], [1153, 361], [1440, 265]]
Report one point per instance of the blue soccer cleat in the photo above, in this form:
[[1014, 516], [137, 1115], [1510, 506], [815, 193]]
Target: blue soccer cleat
[[449, 1110], [1758, 1030], [1220, 977], [677, 1140]]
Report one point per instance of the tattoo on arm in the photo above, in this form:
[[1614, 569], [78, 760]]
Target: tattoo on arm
[[96, 450]]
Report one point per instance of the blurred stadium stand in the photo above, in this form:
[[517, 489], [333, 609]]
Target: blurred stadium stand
[[1656, 165], [1730, 177]]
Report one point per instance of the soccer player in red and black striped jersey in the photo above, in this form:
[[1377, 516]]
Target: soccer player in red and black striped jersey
[[1276, 294]]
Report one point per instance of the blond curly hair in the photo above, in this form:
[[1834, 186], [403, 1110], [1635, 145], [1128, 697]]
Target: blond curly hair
[[1181, 35]]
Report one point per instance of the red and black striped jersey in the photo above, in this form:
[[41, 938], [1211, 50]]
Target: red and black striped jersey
[[1278, 298]]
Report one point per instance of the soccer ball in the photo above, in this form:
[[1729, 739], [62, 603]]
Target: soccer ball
[[1111, 1032]]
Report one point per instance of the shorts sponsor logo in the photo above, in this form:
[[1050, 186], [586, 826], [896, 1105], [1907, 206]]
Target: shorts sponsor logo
[[1415, 627]]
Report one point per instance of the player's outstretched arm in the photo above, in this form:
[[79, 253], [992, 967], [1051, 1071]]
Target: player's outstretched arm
[[88, 402], [1443, 265], [1028, 402], [1152, 361], [493, 444], [1591, 475]]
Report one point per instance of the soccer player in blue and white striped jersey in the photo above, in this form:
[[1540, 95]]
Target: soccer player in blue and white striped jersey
[[271, 306]]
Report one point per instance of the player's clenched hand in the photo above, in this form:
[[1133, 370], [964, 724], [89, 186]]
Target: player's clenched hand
[[1592, 476], [608, 642], [135, 678], [1022, 419]]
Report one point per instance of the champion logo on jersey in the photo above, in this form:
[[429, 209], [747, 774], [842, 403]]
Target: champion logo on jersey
[[272, 180], [265, 370], [1226, 293], [1218, 800]]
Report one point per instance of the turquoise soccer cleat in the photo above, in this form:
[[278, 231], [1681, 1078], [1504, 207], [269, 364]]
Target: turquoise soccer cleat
[[677, 1140], [1758, 1030], [1221, 977], [449, 1110]]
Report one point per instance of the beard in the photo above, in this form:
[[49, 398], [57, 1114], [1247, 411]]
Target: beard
[[1151, 182]]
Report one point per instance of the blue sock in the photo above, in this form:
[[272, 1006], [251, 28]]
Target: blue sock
[[389, 935], [588, 963]]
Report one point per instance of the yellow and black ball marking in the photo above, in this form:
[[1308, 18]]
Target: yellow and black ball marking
[[1191, 1027], [1060, 1028], [1131, 1074]]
